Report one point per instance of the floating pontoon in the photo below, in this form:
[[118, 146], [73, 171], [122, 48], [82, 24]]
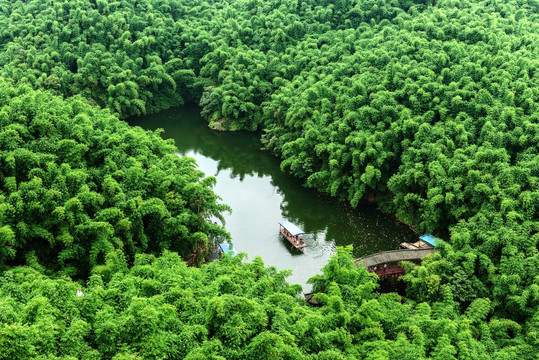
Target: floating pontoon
[[426, 241]]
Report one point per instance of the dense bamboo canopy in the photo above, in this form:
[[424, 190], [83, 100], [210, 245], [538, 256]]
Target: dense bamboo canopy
[[428, 107]]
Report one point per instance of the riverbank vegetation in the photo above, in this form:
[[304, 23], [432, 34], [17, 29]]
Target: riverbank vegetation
[[162, 309], [430, 107], [78, 184]]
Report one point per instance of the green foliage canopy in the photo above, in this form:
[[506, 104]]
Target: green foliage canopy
[[78, 183], [160, 308], [430, 107]]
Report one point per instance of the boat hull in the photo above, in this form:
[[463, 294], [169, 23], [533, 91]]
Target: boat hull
[[297, 242]]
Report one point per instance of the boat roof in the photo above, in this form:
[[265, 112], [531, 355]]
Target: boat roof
[[292, 229], [227, 249], [429, 239]]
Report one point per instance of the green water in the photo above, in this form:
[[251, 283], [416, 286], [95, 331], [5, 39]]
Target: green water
[[251, 182]]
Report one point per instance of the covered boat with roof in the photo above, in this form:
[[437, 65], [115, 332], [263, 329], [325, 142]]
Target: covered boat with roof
[[226, 248], [293, 234]]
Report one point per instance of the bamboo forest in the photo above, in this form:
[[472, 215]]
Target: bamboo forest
[[427, 108]]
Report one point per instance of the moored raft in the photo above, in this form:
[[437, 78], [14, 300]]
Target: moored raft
[[426, 241]]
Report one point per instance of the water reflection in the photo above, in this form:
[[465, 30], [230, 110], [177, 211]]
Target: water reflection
[[250, 181]]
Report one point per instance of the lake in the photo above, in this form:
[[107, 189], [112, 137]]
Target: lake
[[250, 181]]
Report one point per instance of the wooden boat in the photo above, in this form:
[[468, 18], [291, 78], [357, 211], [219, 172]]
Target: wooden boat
[[293, 234]]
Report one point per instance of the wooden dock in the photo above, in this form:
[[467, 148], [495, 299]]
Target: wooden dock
[[417, 245], [426, 241]]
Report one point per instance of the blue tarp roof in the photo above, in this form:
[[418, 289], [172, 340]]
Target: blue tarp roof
[[429, 239], [227, 249], [292, 229]]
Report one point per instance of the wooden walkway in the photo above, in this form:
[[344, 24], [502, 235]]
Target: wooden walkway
[[393, 256]]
